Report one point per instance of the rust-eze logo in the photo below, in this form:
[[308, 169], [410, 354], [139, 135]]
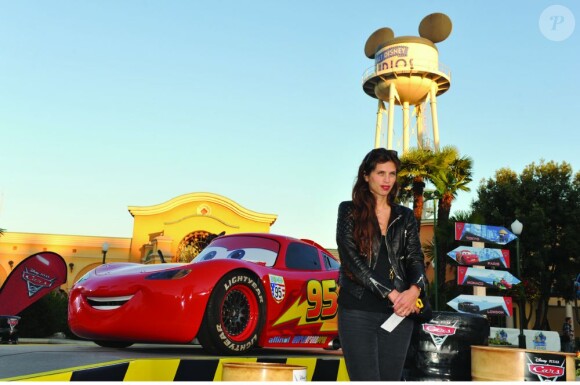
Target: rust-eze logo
[[36, 281], [545, 367], [439, 333]]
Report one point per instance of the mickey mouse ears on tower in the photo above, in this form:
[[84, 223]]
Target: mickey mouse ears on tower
[[377, 40], [435, 27]]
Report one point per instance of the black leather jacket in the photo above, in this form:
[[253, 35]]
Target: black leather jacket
[[404, 250]]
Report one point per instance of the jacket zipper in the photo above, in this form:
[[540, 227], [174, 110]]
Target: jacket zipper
[[389, 254], [386, 232]]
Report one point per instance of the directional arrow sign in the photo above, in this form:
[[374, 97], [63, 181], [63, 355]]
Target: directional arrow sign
[[466, 255], [498, 279], [478, 304], [482, 233]]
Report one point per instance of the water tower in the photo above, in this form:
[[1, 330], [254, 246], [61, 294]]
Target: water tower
[[407, 73]]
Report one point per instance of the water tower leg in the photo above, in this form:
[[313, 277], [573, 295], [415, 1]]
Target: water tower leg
[[378, 128], [405, 127], [391, 116], [433, 97], [419, 117]]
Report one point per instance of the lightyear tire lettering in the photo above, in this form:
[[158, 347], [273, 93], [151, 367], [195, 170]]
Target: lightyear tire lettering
[[235, 314]]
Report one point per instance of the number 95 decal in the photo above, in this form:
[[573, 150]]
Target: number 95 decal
[[322, 299]]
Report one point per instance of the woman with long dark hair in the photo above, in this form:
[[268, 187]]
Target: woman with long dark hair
[[382, 271]]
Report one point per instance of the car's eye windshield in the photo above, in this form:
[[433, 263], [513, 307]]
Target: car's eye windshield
[[251, 254]]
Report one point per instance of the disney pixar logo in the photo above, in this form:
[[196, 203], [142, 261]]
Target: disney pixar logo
[[545, 367], [36, 280]]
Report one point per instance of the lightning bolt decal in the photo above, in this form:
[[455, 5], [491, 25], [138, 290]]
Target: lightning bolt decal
[[298, 312]]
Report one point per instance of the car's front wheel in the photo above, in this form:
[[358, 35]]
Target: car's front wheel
[[234, 316]]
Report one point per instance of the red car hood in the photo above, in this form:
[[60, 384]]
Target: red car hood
[[133, 268]]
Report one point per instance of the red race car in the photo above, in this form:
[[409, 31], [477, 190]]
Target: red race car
[[466, 257], [502, 284], [242, 291]]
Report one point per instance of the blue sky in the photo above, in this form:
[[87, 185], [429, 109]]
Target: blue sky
[[106, 104]]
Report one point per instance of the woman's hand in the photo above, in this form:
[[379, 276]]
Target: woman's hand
[[393, 295], [406, 302]]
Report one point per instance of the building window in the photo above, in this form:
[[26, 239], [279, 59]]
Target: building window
[[192, 244]]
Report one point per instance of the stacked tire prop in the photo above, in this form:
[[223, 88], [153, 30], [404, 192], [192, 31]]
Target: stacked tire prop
[[8, 331], [441, 349]]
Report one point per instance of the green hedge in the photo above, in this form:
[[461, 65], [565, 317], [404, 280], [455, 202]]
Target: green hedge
[[45, 317]]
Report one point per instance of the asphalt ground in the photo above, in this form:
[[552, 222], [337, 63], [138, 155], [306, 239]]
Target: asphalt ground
[[34, 356]]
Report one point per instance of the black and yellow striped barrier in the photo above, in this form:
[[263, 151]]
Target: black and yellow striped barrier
[[176, 369]]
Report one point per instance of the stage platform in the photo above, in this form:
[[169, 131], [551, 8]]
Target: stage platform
[[175, 369]]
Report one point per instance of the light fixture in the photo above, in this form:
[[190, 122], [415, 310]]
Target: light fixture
[[11, 264], [517, 228], [71, 266], [105, 248]]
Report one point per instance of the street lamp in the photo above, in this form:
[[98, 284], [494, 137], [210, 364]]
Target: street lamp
[[105, 248], [517, 228], [435, 255]]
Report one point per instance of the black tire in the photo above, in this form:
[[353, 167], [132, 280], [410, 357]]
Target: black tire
[[234, 316], [114, 344], [447, 358]]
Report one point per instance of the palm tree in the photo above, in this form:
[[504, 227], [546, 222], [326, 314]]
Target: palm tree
[[448, 181], [417, 167]]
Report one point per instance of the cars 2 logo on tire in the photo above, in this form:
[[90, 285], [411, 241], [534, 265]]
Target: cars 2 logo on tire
[[439, 333]]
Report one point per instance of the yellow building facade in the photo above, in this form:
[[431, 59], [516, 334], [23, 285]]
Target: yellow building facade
[[176, 229], [182, 226]]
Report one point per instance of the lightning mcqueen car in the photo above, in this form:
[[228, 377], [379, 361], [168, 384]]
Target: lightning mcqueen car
[[242, 291], [465, 257]]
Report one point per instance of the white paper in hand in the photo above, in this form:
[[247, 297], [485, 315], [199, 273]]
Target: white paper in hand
[[391, 323]]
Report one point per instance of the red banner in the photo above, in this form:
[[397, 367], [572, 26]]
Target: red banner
[[31, 280]]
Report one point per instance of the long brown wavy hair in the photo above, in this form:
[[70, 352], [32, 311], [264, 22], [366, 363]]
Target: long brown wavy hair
[[366, 224]]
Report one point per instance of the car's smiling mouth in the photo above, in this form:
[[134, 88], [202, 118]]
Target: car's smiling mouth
[[108, 303]]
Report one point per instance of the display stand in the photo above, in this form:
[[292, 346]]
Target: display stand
[[512, 364]]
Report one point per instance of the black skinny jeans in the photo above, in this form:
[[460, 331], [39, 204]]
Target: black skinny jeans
[[370, 352]]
